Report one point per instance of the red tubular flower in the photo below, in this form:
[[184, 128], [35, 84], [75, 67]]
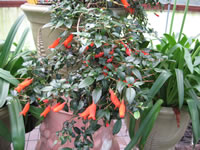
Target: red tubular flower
[[112, 51], [99, 55], [92, 109], [68, 40], [114, 98], [25, 109], [85, 114], [46, 111], [122, 109], [105, 74], [24, 84], [131, 10], [123, 44], [128, 52], [145, 53], [107, 124], [110, 59], [92, 44], [56, 105], [45, 101], [90, 112], [55, 43], [125, 3], [59, 107]]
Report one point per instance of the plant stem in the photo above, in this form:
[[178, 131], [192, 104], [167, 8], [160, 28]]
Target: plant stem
[[172, 20], [184, 17]]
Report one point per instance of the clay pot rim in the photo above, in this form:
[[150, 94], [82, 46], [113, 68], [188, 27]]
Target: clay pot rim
[[169, 110], [36, 8]]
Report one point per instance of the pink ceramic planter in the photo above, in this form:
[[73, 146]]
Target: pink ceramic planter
[[103, 138]]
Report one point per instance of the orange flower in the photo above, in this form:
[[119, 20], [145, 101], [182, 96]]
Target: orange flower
[[125, 3], [107, 124], [145, 53], [68, 40], [114, 98], [90, 112], [59, 107], [128, 52], [46, 111], [110, 59], [45, 100], [24, 84], [85, 114], [55, 105], [99, 55], [25, 109], [122, 109], [55, 43], [93, 108], [92, 44]]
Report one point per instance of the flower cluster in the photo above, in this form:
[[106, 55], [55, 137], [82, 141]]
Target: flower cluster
[[107, 67]]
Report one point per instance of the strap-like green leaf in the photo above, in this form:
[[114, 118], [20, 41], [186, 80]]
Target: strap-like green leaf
[[17, 124], [188, 60], [158, 84], [194, 114], [143, 130], [9, 40], [8, 77], [131, 129], [4, 88], [180, 84], [21, 42]]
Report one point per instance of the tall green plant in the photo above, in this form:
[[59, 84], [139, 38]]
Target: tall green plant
[[9, 64]]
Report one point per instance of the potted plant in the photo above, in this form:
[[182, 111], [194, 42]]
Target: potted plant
[[108, 66], [11, 124], [177, 85]]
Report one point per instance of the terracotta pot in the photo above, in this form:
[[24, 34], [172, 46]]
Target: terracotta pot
[[103, 138], [4, 117], [165, 133]]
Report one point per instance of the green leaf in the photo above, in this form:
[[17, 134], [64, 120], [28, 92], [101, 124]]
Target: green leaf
[[8, 77], [170, 39], [117, 126], [130, 95], [4, 88], [144, 124], [5, 133], [36, 111], [86, 82], [137, 73], [96, 94], [9, 40], [131, 129], [20, 43], [158, 84], [120, 86], [148, 128], [17, 124], [195, 119], [188, 60], [180, 84]]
